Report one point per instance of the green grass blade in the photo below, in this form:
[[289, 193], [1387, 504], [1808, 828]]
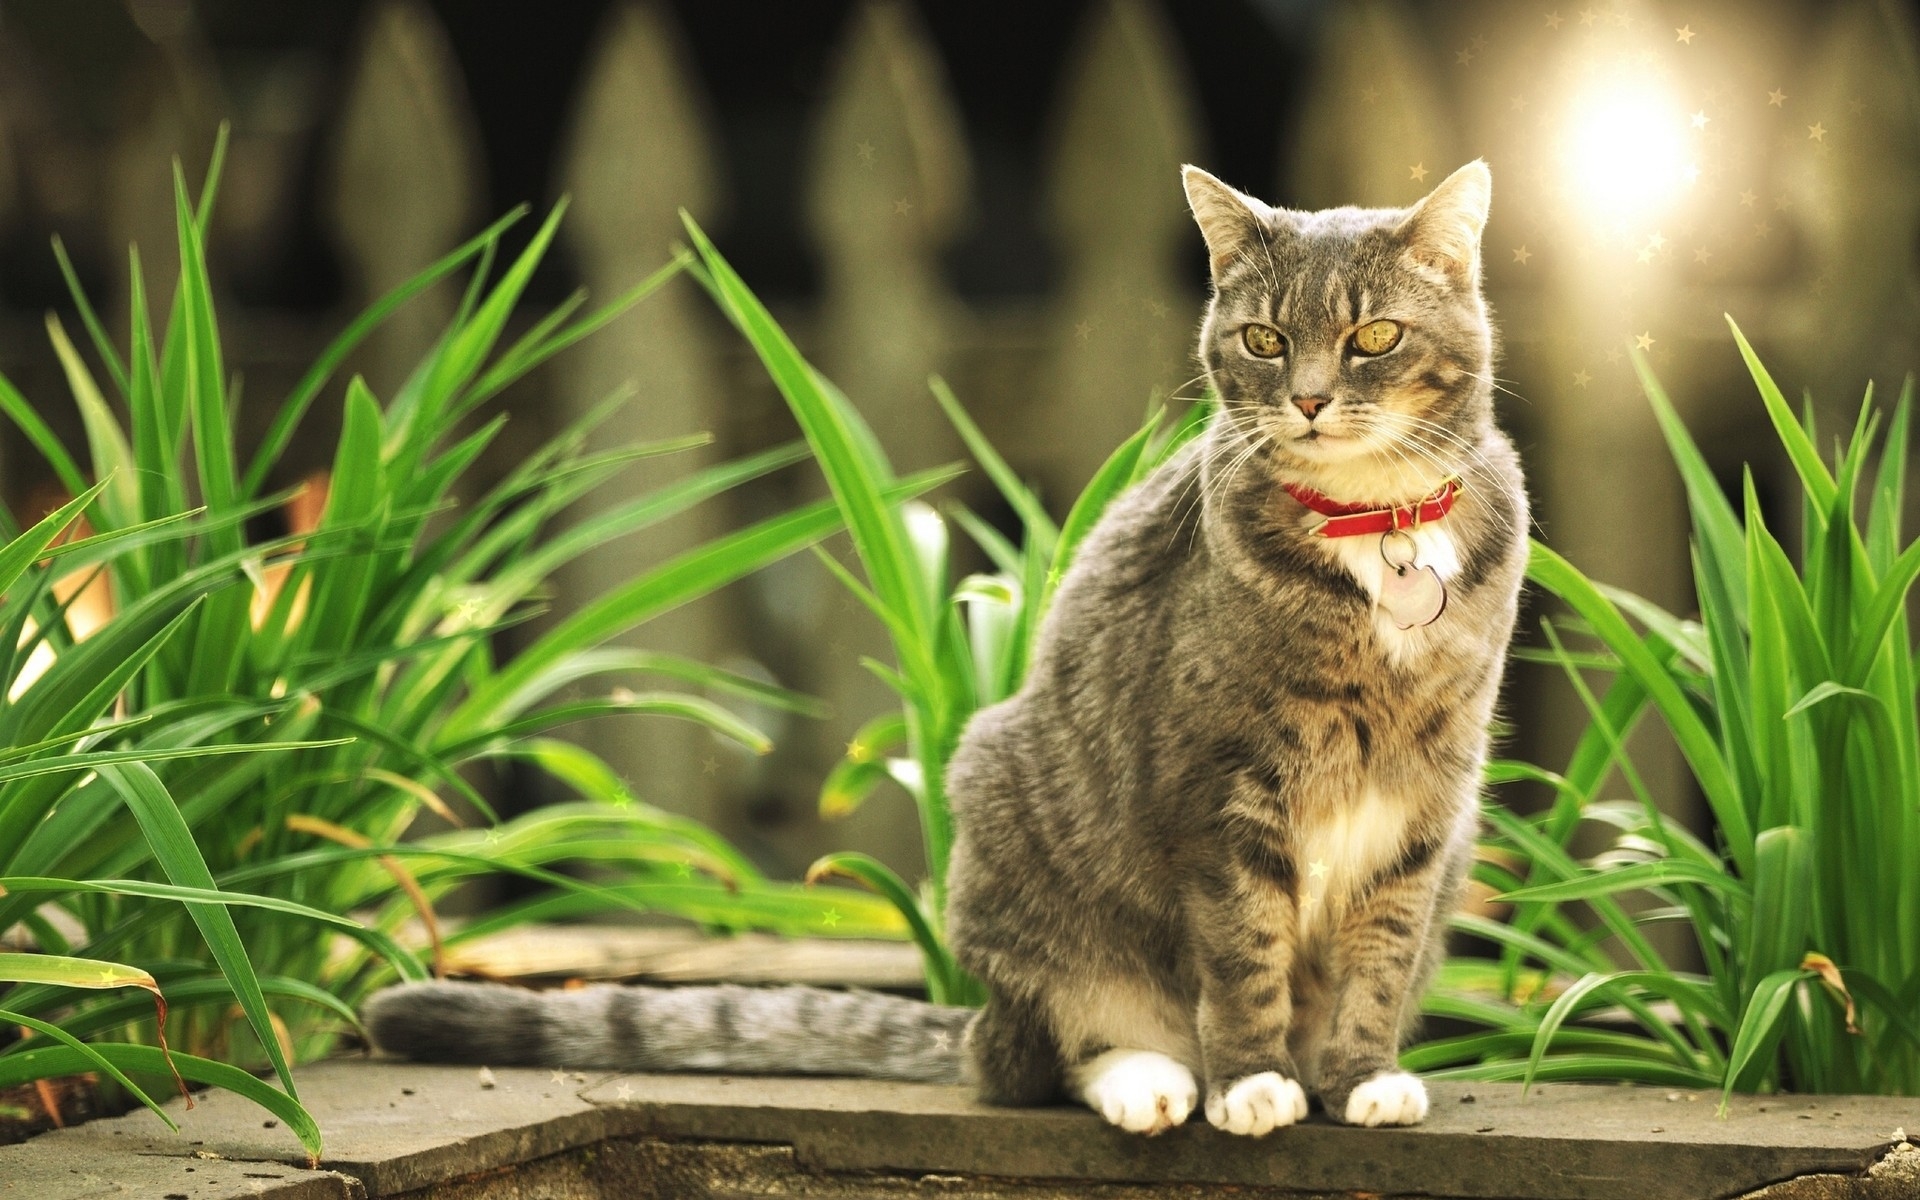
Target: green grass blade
[[667, 586], [210, 421], [878, 876], [21, 411], [178, 855], [533, 350], [1696, 741], [23, 551], [418, 413], [68, 971], [1716, 530], [788, 909], [301, 398], [1042, 533], [706, 713], [855, 776], [100, 1061], [1592, 985], [183, 994], [1759, 1029], [102, 344], [64, 1060], [1114, 476], [1801, 450], [1638, 877], [857, 472], [47, 885], [1890, 485], [1782, 885], [113, 460], [1887, 606]]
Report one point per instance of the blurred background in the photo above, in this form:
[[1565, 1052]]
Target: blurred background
[[987, 190]]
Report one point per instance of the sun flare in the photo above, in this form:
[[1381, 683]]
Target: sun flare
[[1626, 150]]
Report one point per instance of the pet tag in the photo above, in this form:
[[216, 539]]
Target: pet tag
[[1411, 595]]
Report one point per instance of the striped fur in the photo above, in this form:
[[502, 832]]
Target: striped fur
[[789, 1031], [1206, 854]]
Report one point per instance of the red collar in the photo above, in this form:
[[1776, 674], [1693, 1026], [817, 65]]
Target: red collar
[[1351, 520]]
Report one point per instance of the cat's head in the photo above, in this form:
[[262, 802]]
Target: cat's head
[[1355, 341]]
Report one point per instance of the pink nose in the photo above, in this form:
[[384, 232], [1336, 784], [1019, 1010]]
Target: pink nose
[[1310, 406]]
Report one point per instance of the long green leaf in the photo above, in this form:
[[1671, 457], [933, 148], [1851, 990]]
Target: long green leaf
[[99, 1061], [287, 420], [65, 1060], [174, 849], [850, 457], [1814, 476], [1759, 1027], [672, 583], [1696, 741]]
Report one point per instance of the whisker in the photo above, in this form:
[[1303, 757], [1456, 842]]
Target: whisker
[[1403, 439], [1213, 489], [1226, 483], [1214, 448]]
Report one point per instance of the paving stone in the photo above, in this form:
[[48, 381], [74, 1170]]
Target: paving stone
[[89, 1163], [1562, 1142], [398, 1130]]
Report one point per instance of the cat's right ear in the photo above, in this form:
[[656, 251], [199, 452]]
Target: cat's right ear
[[1231, 221]]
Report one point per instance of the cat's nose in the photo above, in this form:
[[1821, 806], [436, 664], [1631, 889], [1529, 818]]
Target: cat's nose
[[1310, 406]]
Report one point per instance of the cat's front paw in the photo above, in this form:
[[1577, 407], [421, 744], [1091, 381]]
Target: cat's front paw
[[1389, 1098], [1256, 1105], [1138, 1090]]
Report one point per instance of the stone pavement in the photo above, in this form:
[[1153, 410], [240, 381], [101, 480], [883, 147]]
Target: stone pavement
[[441, 1133]]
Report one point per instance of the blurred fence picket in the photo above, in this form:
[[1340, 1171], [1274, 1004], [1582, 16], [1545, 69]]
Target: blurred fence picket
[[1856, 206], [886, 191], [639, 149], [404, 185], [1119, 336], [1376, 112]]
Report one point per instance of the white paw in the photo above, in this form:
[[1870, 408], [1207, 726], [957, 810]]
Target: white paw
[[1389, 1098], [1257, 1105], [1141, 1091]]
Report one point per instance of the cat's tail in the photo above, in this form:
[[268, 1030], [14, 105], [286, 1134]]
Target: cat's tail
[[751, 1030]]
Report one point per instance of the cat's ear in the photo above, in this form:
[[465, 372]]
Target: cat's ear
[[1231, 221], [1443, 230]]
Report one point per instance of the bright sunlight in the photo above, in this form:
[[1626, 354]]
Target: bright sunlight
[[1626, 149]]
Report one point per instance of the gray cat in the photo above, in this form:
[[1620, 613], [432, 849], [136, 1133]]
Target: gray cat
[[1210, 846]]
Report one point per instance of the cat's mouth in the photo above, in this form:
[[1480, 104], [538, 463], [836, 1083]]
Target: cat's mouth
[[1326, 445]]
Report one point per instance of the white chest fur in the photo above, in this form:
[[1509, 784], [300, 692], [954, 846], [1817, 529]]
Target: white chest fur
[[1341, 849], [1361, 557]]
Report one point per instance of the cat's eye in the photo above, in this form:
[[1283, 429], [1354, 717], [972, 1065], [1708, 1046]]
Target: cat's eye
[[1263, 341], [1376, 337]]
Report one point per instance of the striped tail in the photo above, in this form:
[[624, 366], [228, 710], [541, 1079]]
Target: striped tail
[[750, 1030]]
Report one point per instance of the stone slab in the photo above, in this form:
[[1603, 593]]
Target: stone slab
[[1560, 1142], [673, 955], [87, 1163], [389, 1127], [395, 1129]]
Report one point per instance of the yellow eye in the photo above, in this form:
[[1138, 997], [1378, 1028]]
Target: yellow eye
[[1263, 341], [1376, 337]]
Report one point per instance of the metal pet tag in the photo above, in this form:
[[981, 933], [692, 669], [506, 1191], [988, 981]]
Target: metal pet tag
[[1410, 595]]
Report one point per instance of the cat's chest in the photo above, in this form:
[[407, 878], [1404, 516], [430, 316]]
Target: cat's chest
[[1390, 571], [1341, 846]]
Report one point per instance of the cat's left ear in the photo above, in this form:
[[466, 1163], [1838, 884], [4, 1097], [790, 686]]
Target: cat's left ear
[[1443, 230]]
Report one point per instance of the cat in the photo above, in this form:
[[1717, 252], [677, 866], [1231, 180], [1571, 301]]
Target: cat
[[1206, 854]]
